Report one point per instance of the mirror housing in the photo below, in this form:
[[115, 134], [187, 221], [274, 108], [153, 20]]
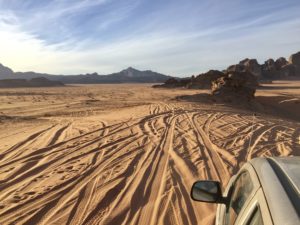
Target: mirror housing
[[207, 191]]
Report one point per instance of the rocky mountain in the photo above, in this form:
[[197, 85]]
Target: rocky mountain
[[247, 65], [5, 72], [129, 75], [270, 70]]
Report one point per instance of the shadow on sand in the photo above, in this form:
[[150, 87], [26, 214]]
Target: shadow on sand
[[282, 107], [277, 87]]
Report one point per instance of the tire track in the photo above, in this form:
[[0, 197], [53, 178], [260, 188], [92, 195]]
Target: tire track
[[137, 171]]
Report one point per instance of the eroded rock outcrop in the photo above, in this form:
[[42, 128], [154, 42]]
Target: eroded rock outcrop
[[269, 70], [295, 59], [247, 65], [204, 80], [288, 70], [281, 68], [236, 68], [242, 73], [173, 83], [235, 86], [252, 66], [280, 62]]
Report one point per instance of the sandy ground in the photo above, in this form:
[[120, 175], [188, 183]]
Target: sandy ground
[[128, 154]]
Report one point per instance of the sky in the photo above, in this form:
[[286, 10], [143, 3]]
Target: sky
[[174, 37]]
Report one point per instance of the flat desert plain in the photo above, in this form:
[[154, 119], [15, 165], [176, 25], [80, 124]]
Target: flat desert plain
[[128, 153]]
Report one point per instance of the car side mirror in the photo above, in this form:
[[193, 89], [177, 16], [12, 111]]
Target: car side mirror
[[207, 191]]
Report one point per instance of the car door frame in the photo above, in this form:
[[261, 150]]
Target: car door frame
[[259, 201], [222, 209]]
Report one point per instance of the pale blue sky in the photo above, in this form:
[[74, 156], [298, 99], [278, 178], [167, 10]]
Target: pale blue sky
[[176, 37]]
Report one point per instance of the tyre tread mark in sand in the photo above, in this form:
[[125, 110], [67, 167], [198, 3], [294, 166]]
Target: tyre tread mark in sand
[[130, 172], [161, 174], [216, 162], [24, 142]]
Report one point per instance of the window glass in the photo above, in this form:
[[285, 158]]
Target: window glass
[[256, 218], [242, 189]]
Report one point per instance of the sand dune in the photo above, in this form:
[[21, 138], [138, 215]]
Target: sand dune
[[124, 154]]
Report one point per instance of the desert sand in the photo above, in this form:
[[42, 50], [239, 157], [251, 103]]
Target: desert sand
[[128, 153]]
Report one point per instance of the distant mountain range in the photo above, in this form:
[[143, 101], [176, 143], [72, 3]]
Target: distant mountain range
[[129, 75], [34, 82]]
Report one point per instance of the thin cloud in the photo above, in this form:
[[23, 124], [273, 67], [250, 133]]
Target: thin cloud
[[174, 37]]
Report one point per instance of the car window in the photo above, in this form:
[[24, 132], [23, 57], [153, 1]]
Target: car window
[[242, 189], [256, 218]]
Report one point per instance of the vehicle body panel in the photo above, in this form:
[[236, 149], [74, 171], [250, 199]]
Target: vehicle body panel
[[269, 192]]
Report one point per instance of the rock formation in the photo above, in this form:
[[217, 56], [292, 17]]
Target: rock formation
[[204, 80], [247, 65], [295, 59], [288, 70], [270, 65], [281, 68], [236, 68], [252, 66], [173, 83], [269, 70], [281, 62], [239, 75], [235, 86]]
